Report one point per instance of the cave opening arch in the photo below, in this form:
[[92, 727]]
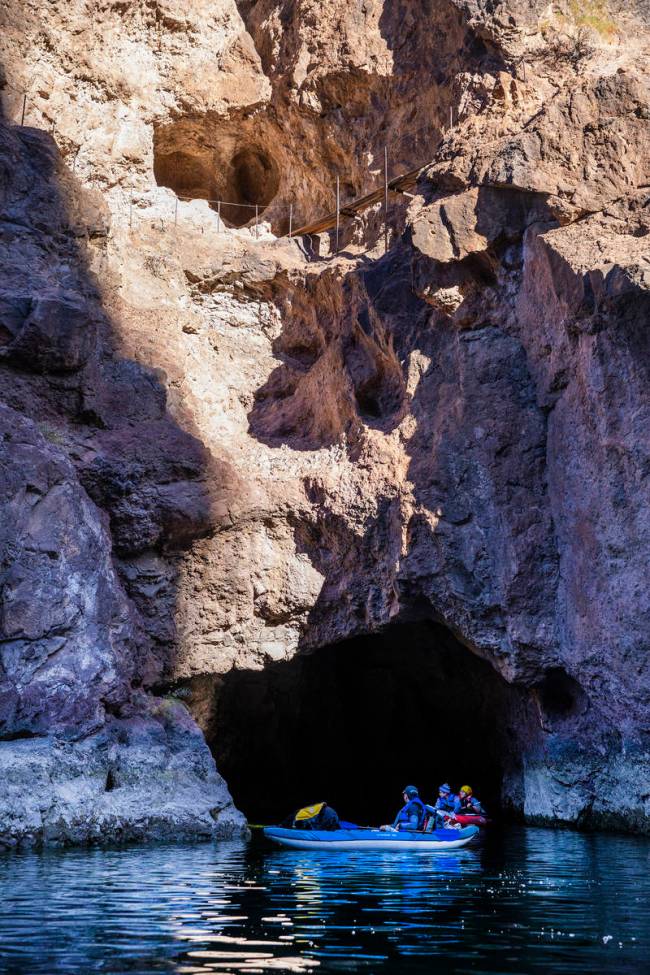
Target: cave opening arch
[[239, 175], [354, 722]]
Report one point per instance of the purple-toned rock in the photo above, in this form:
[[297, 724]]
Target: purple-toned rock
[[86, 755], [55, 334], [66, 627], [221, 450]]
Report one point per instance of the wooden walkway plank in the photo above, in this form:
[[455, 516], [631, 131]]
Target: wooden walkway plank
[[396, 185]]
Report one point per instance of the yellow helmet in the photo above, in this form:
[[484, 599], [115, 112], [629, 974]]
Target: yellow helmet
[[467, 789]]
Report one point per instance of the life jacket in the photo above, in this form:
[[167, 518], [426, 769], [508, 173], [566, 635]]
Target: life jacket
[[308, 812], [414, 805], [447, 804], [470, 805]]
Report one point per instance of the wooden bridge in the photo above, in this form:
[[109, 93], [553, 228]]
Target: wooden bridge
[[399, 184]]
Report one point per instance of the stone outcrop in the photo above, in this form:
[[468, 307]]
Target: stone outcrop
[[220, 450], [92, 464]]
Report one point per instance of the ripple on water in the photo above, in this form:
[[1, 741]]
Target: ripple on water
[[532, 901]]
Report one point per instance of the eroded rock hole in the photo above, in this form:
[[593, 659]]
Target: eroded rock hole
[[354, 722], [560, 695], [370, 401], [189, 176]]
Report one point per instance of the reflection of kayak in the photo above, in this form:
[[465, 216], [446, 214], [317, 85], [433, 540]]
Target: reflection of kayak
[[370, 839], [470, 820]]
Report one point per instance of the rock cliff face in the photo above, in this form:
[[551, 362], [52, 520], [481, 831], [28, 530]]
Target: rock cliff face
[[221, 451]]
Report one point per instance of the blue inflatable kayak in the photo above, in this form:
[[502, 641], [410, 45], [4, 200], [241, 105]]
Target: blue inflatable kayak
[[370, 839]]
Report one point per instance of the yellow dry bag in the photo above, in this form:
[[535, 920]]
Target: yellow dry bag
[[309, 812]]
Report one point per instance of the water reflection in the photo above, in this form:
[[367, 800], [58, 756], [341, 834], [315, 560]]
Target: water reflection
[[529, 901]]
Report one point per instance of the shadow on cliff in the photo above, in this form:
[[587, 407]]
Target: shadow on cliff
[[430, 43], [61, 367]]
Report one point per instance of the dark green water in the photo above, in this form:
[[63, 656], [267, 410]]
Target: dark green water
[[527, 901]]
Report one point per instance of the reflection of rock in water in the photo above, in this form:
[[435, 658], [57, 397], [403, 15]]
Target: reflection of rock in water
[[543, 898]]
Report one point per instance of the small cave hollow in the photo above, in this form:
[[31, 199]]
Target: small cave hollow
[[235, 179], [189, 176], [253, 180], [355, 722]]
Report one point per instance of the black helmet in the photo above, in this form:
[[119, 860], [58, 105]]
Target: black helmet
[[411, 791]]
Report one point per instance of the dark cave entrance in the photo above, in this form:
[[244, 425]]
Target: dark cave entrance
[[354, 722]]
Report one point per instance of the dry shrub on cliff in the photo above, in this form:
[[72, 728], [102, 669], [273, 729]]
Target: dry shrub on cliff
[[573, 33], [574, 48]]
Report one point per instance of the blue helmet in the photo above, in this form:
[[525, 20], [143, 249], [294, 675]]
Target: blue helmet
[[444, 788], [411, 791]]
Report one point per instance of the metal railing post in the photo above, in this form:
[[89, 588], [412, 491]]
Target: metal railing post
[[338, 206], [22, 119], [385, 199]]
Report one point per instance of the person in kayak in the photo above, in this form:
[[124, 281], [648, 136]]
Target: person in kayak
[[412, 814], [446, 806], [318, 816], [468, 804]]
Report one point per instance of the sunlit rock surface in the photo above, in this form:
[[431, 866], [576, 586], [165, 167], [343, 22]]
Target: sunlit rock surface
[[220, 449]]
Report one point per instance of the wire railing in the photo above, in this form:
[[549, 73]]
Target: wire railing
[[258, 209], [21, 114], [17, 106], [20, 98]]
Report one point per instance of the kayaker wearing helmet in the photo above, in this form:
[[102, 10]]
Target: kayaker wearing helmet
[[469, 806], [447, 804], [412, 814]]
